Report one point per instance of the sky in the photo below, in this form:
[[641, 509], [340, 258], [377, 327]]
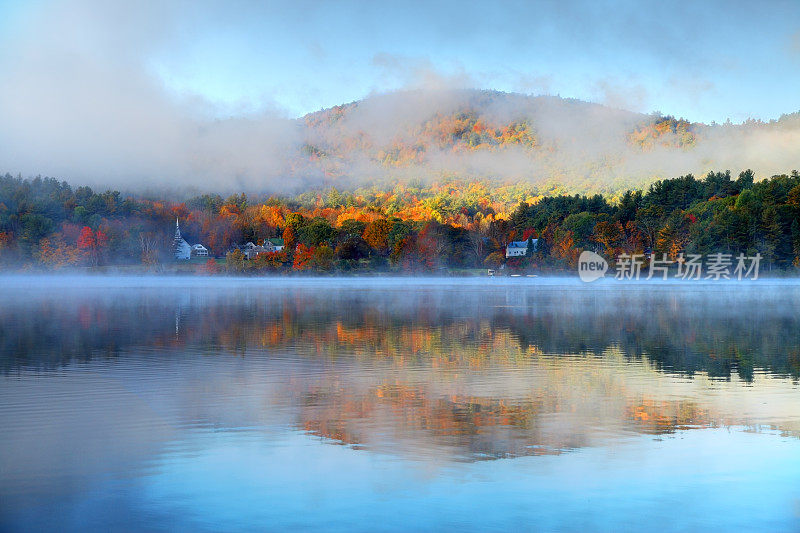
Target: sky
[[705, 61], [205, 92]]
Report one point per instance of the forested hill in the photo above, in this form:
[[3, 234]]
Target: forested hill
[[547, 144], [556, 145], [45, 223]]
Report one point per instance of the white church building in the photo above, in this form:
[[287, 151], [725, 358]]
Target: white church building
[[183, 250]]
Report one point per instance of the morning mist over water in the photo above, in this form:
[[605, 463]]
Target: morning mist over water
[[134, 398]]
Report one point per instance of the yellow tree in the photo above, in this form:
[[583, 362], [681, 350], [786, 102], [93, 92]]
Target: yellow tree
[[377, 234]]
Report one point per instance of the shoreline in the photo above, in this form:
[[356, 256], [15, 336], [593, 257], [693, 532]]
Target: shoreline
[[69, 280]]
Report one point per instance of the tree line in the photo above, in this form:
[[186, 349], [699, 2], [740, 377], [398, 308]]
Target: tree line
[[46, 223]]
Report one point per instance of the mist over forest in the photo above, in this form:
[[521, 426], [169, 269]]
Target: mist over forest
[[110, 131], [91, 100], [553, 144], [550, 144]]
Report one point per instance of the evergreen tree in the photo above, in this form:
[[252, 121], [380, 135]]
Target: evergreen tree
[[529, 249]]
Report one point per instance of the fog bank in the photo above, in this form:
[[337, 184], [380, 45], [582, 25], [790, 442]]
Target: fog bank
[[83, 101]]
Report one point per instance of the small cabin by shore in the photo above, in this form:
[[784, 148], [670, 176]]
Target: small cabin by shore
[[520, 248]]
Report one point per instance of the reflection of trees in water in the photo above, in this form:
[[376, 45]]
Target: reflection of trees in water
[[49, 331], [684, 335], [667, 416], [477, 426], [481, 427], [720, 333], [390, 337]]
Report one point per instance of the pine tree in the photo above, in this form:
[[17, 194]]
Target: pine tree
[[529, 249]]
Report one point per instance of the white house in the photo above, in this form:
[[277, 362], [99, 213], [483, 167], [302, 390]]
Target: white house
[[273, 245], [520, 248], [199, 250]]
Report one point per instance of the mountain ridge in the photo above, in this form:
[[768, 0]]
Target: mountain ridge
[[551, 142]]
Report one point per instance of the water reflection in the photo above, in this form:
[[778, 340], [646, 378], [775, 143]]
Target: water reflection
[[433, 373], [721, 330], [454, 363]]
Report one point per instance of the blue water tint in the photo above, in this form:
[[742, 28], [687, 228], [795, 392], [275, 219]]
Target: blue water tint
[[717, 480], [397, 406], [714, 479]]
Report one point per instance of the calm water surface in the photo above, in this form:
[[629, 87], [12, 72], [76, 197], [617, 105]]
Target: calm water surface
[[524, 404]]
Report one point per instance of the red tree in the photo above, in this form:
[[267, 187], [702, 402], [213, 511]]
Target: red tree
[[303, 257], [92, 243], [86, 239]]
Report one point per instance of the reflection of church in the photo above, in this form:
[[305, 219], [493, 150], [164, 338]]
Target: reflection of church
[[182, 248]]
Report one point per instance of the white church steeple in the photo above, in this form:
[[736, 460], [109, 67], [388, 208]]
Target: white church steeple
[[180, 247]]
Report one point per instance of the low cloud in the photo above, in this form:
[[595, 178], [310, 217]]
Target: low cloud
[[419, 73], [80, 101], [632, 96]]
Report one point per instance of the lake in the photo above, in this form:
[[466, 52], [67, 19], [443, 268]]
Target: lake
[[191, 404]]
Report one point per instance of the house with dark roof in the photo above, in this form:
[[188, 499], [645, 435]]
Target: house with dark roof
[[251, 251], [520, 248]]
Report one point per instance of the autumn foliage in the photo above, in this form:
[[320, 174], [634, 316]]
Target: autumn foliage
[[409, 228]]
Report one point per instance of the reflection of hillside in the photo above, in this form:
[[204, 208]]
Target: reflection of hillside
[[475, 426], [550, 405], [549, 421], [480, 373]]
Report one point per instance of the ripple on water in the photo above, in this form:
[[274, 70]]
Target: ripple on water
[[295, 405]]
